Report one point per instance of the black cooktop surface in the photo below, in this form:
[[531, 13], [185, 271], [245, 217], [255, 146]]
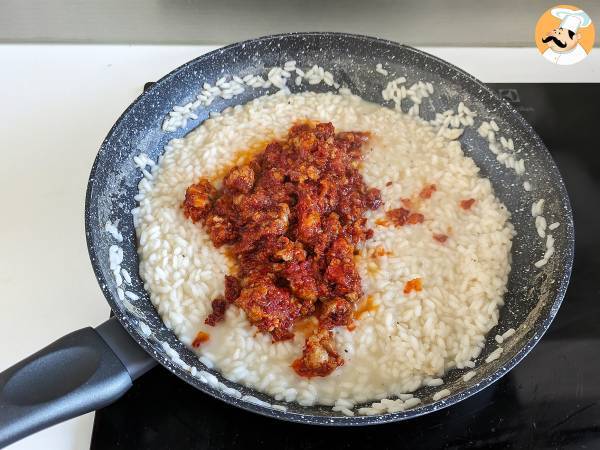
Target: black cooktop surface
[[550, 400]]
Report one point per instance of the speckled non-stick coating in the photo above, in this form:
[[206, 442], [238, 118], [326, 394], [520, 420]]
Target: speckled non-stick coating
[[533, 296]]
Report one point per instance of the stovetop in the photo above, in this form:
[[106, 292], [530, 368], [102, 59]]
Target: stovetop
[[550, 400]]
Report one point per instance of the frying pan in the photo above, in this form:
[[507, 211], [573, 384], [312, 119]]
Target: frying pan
[[91, 368]]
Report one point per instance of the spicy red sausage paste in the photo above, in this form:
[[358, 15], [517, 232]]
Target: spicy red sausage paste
[[292, 218]]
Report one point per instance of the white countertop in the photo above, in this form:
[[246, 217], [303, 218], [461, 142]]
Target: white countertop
[[59, 101]]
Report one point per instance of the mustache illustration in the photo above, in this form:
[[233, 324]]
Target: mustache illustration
[[556, 41]]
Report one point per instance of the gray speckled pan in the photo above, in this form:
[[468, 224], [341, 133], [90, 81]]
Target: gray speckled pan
[[534, 295]]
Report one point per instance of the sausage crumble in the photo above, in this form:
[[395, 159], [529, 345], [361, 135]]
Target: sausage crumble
[[292, 217]]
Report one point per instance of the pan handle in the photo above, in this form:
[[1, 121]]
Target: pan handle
[[80, 372]]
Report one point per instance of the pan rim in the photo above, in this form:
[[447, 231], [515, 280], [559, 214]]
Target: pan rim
[[341, 420]]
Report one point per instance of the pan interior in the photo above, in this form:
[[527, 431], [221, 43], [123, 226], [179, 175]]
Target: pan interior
[[533, 295]]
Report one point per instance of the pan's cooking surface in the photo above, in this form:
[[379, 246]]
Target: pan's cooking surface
[[555, 387], [533, 295]]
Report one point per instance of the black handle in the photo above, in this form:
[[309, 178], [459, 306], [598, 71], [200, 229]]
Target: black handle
[[80, 372]]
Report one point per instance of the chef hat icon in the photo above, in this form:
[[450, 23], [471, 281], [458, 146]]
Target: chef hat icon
[[571, 20]]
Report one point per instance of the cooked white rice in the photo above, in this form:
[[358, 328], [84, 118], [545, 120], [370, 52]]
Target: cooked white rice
[[441, 394], [410, 338]]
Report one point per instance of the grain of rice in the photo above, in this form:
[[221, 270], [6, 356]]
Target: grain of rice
[[112, 229], [115, 257], [548, 253], [131, 295], [553, 226], [537, 208], [211, 380], [508, 333], [411, 402], [381, 70], [145, 329], [494, 355], [232, 392], [540, 263], [441, 394], [206, 361], [434, 382], [347, 412], [469, 375], [126, 276], [344, 403], [368, 411], [540, 225]]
